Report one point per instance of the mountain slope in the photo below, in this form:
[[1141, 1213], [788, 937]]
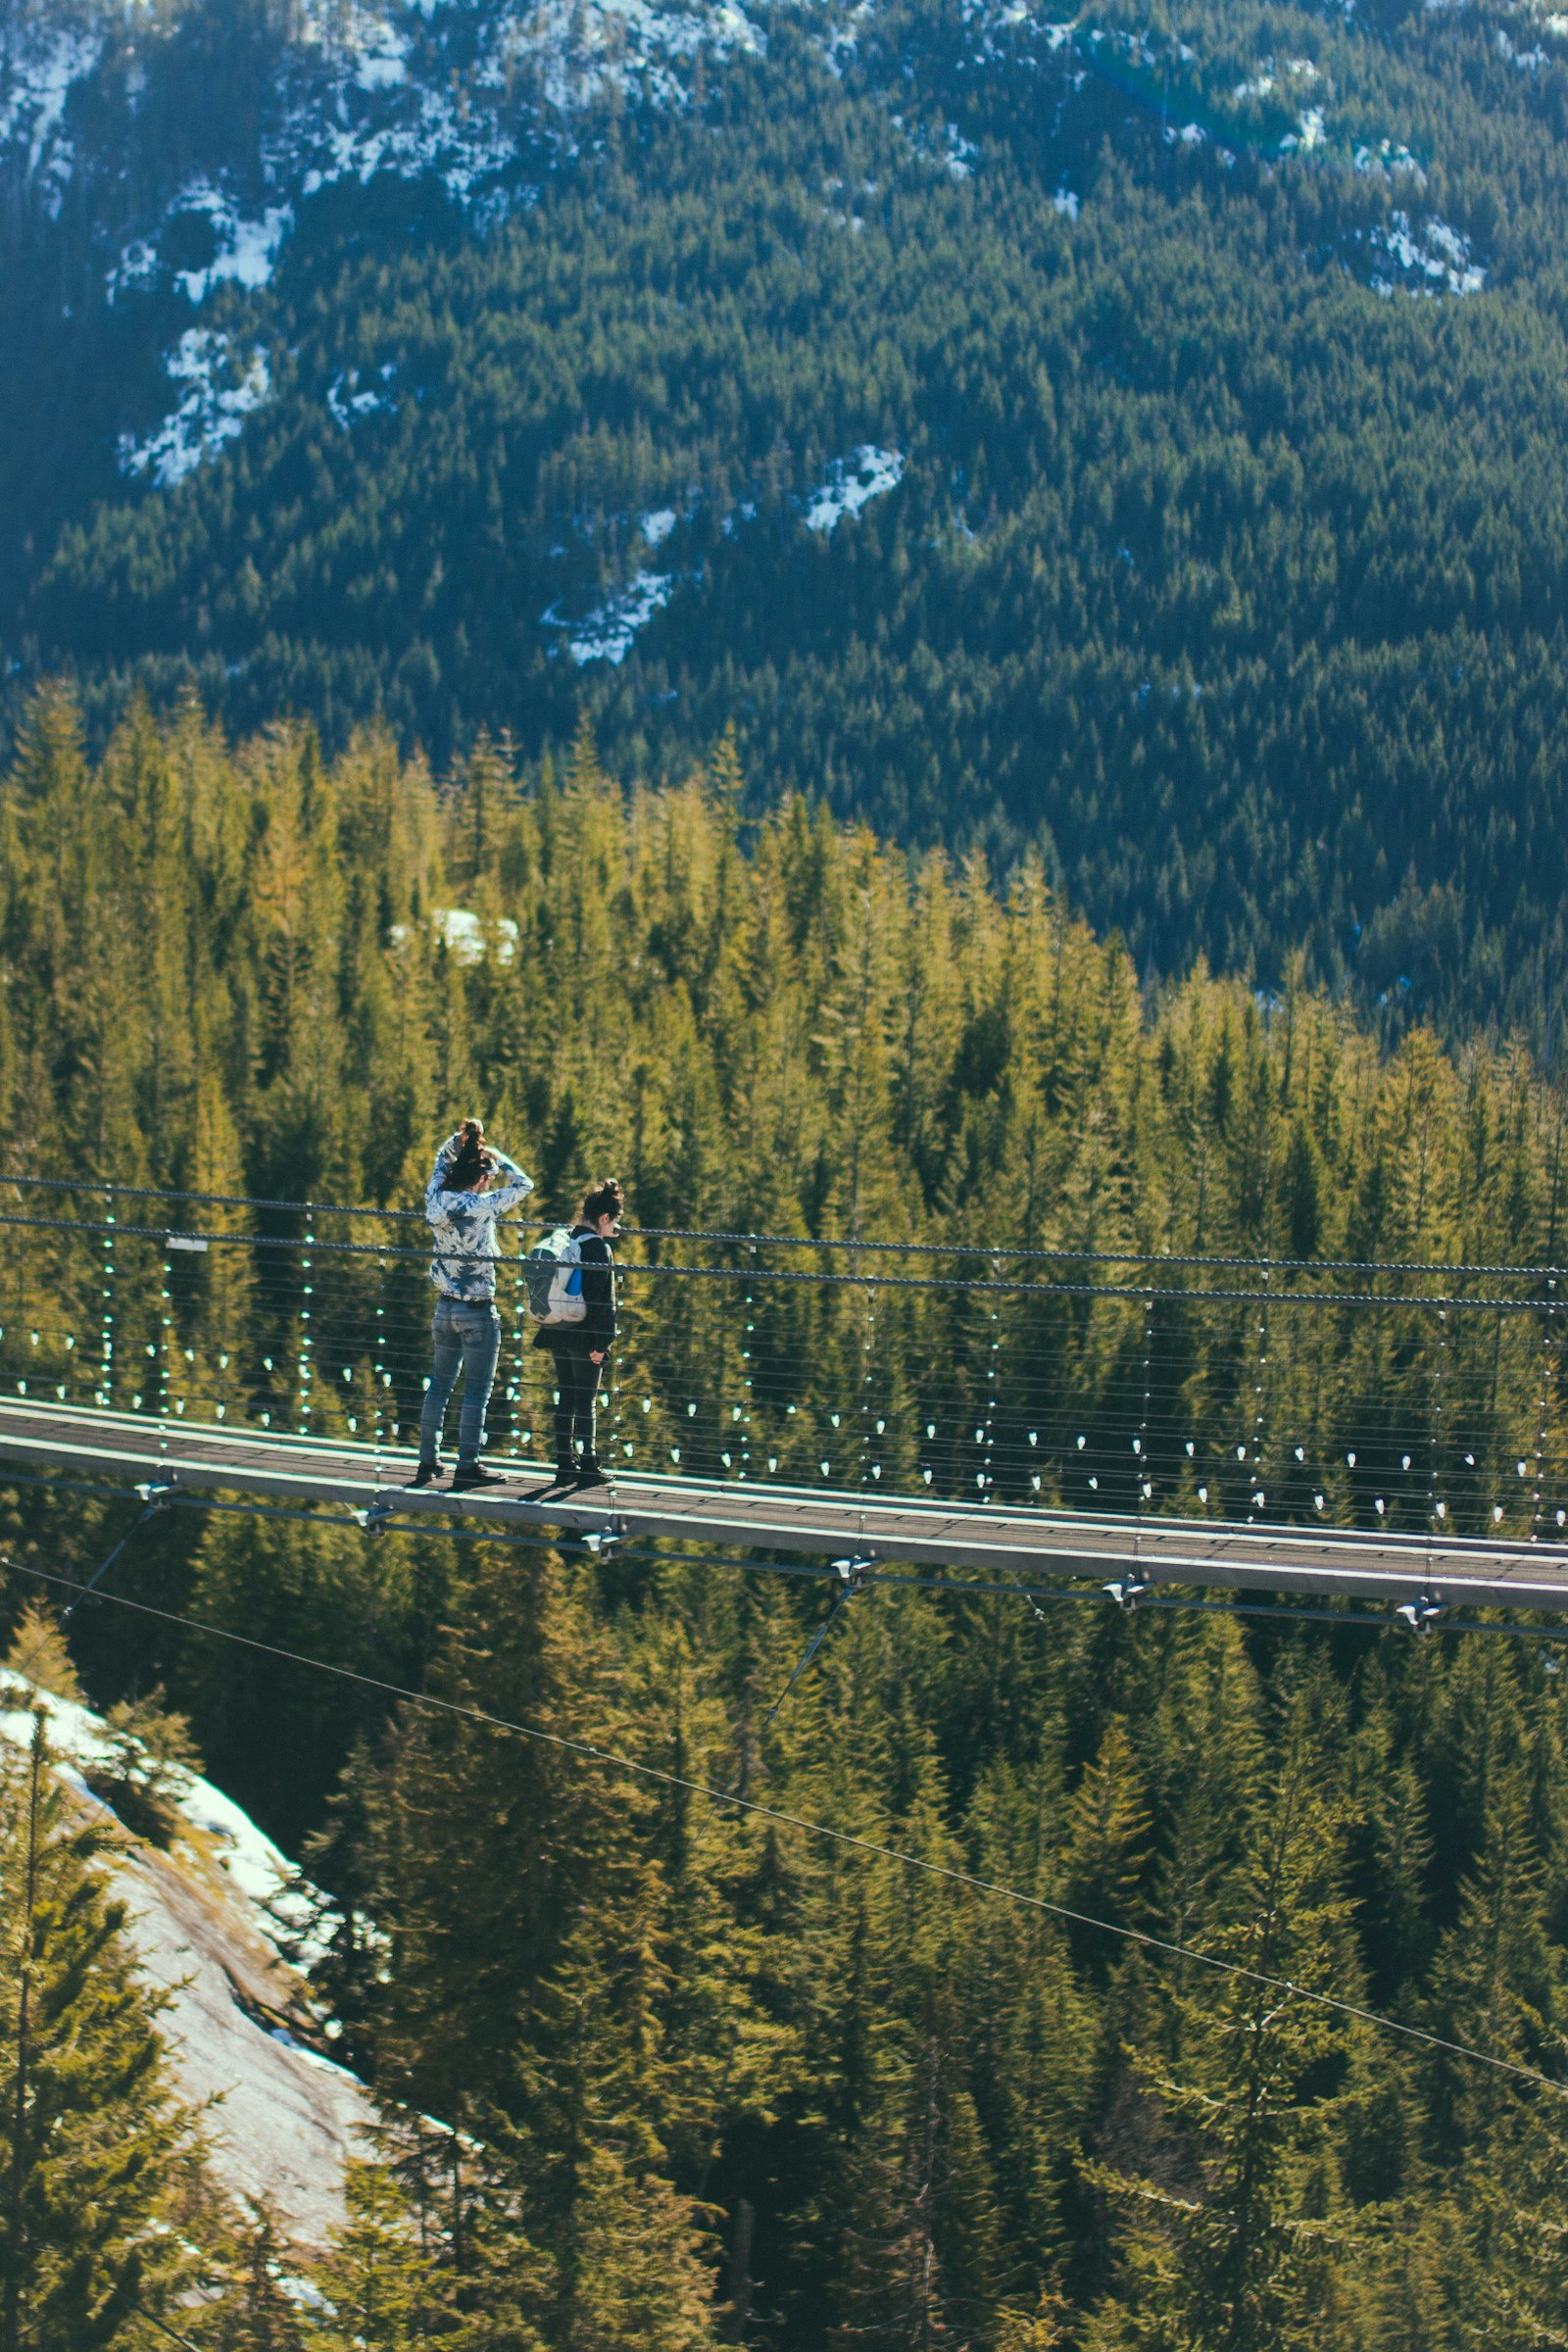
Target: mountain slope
[[281, 2122], [1140, 436]]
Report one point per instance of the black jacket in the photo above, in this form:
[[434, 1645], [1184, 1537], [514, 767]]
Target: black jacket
[[596, 1333]]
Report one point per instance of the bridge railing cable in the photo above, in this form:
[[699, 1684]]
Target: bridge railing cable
[[1455, 1269], [1396, 1396]]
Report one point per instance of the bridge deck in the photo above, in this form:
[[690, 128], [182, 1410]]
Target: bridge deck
[[995, 1539]]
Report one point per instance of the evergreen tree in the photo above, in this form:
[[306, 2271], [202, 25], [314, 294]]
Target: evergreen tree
[[1233, 2237], [258, 2303], [92, 2141], [381, 2285]]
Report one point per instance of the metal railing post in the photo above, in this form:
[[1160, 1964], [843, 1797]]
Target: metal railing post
[[1258, 1498], [106, 1322], [307, 1293], [1547, 1335]]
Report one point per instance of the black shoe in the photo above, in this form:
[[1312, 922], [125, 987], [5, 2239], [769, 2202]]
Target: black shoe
[[567, 1471], [425, 1474], [589, 1473], [468, 1474]]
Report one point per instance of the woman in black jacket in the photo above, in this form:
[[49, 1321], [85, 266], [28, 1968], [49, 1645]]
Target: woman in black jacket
[[581, 1349]]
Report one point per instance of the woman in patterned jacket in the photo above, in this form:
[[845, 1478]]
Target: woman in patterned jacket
[[470, 1188]]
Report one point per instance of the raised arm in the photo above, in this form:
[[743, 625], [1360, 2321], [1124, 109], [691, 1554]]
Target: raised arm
[[516, 1188], [437, 1185]]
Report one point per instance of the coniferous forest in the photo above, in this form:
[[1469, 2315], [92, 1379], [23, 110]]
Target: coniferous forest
[[1135, 439], [850, 2064], [927, 620]]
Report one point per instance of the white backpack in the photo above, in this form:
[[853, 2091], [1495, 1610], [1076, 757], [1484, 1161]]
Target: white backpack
[[552, 1273]]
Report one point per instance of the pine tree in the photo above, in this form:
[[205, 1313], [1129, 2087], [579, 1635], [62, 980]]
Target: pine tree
[[1032, 2026], [279, 1737], [726, 777], [1045, 2326], [1107, 1844], [1235, 2232], [1496, 1980], [38, 1657], [92, 2141], [257, 2301], [384, 2288], [1526, 2281]]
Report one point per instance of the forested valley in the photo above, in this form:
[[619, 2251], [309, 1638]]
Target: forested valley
[[792, 2030], [1135, 439]]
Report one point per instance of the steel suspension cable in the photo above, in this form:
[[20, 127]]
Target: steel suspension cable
[[1189, 1293], [1063, 1254]]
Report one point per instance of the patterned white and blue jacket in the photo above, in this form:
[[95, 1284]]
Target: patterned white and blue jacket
[[466, 1246]]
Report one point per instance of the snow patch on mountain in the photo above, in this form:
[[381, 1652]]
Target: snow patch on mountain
[[137, 266], [246, 249], [1435, 259], [221, 393], [1001, 27], [348, 398], [1528, 61], [383, 62], [1390, 159], [1292, 74], [39, 68], [287, 1914], [578, 52], [609, 633], [850, 483], [408, 90], [467, 937], [460, 145], [844, 39], [961, 154]]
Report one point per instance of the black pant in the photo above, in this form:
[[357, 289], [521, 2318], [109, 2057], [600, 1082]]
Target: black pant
[[577, 1379]]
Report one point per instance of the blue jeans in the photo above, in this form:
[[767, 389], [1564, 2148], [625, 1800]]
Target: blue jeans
[[467, 1335]]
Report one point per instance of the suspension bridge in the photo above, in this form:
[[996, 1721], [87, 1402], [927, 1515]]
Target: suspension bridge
[[1390, 1431]]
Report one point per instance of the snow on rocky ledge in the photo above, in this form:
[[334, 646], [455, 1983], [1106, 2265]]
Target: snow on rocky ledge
[[1431, 258], [219, 396], [850, 483], [206, 1918], [466, 935], [39, 63]]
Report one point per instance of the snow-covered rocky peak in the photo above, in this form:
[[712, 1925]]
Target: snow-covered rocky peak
[[478, 97], [43, 56], [478, 102]]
